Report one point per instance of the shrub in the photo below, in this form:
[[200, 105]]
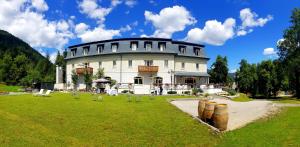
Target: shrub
[[172, 92], [195, 91], [187, 92], [124, 91], [231, 92]]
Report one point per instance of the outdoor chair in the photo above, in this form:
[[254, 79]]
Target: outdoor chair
[[38, 93], [47, 93]]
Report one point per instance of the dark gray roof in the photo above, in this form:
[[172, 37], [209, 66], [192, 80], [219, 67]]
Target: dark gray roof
[[172, 47], [192, 74]]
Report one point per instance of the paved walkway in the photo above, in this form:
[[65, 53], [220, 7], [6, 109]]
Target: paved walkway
[[240, 113]]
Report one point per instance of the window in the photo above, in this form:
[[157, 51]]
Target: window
[[73, 66], [100, 64], [158, 80], [100, 48], [148, 62], [197, 66], [162, 46], [73, 52], [182, 65], [86, 50], [166, 63], [138, 80], [86, 65], [114, 47], [148, 46], [182, 49], [129, 63], [114, 64], [134, 45], [196, 51]]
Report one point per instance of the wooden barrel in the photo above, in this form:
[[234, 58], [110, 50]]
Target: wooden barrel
[[209, 110], [220, 117], [201, 106]]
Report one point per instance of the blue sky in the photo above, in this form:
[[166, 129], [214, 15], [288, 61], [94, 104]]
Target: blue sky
[[238, 29]]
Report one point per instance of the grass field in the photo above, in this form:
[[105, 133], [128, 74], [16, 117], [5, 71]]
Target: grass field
[[242, 98], [62, 120], [7, 88]]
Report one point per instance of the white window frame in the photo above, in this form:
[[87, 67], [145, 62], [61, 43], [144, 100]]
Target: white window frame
[[148, 46], [197, 51], [86, 65], [182, 49], [100, 48], [129, 63], [139, 82], [100, 64], [197, 66], [148, 62], [166, 63], [182, 65], [114, 47], [114, 63], [134, 46], [73, 53], [86, 50], [162, 46]]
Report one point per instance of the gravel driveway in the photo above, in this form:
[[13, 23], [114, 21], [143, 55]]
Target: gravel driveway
[[240, 113]]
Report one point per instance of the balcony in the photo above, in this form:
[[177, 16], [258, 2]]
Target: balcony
[[81, 71], [148, 69]]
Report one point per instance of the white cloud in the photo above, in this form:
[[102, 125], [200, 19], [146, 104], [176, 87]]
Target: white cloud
[[269, 51], [131, 3], [93, 10], [170, 20], [18, 18], [81, 28], [214, 32], [249, 20], [98, 33], [40, 5]]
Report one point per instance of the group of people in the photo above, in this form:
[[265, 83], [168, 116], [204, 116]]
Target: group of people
[[158, 90]]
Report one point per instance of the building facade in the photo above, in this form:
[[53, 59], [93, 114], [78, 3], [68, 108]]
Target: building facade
[[140, 64]]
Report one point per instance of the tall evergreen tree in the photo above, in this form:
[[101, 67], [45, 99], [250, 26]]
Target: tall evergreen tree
[[219, 70], [289, 51]]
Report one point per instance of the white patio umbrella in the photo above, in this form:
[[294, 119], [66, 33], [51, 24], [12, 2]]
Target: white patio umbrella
[[101, 80]]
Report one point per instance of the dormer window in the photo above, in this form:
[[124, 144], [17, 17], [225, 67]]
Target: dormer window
[[134, 45], [100, 48], [162, 46], [73, 52], [114, 47], [86, 50], [182, 49], [148, 46], [197, 51]]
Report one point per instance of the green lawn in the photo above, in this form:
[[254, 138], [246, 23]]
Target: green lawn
[[242, 98], [62, 120], [7, 88]]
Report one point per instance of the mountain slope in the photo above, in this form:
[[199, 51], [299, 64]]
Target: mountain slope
[[16, 46]]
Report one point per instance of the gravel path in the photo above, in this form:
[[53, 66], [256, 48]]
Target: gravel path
[[240, 113]]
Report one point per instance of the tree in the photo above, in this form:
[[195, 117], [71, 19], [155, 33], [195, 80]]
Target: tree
[[6, 67], [219, 70], [246, 78], [75, 79], [99, 74], [87, 80], [266, 75], [21, 64], [289, 51], [33, 76]]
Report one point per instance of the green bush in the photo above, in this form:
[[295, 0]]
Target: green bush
[[196, 91], [187, 92], [124, 91], [231, 92], [172, 92]]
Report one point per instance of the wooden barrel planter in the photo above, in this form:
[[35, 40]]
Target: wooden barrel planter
[[208, 110], [201, 106], [220, 117]]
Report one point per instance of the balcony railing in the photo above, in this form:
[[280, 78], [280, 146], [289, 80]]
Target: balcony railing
[[81, 71], [148, 68]]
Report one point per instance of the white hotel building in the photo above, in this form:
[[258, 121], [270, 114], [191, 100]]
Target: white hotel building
[[141, 63]]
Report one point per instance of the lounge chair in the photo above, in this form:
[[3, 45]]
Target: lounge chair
[[47, 93], [38, 93]]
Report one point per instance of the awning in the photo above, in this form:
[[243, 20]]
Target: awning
[[191, 74]]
